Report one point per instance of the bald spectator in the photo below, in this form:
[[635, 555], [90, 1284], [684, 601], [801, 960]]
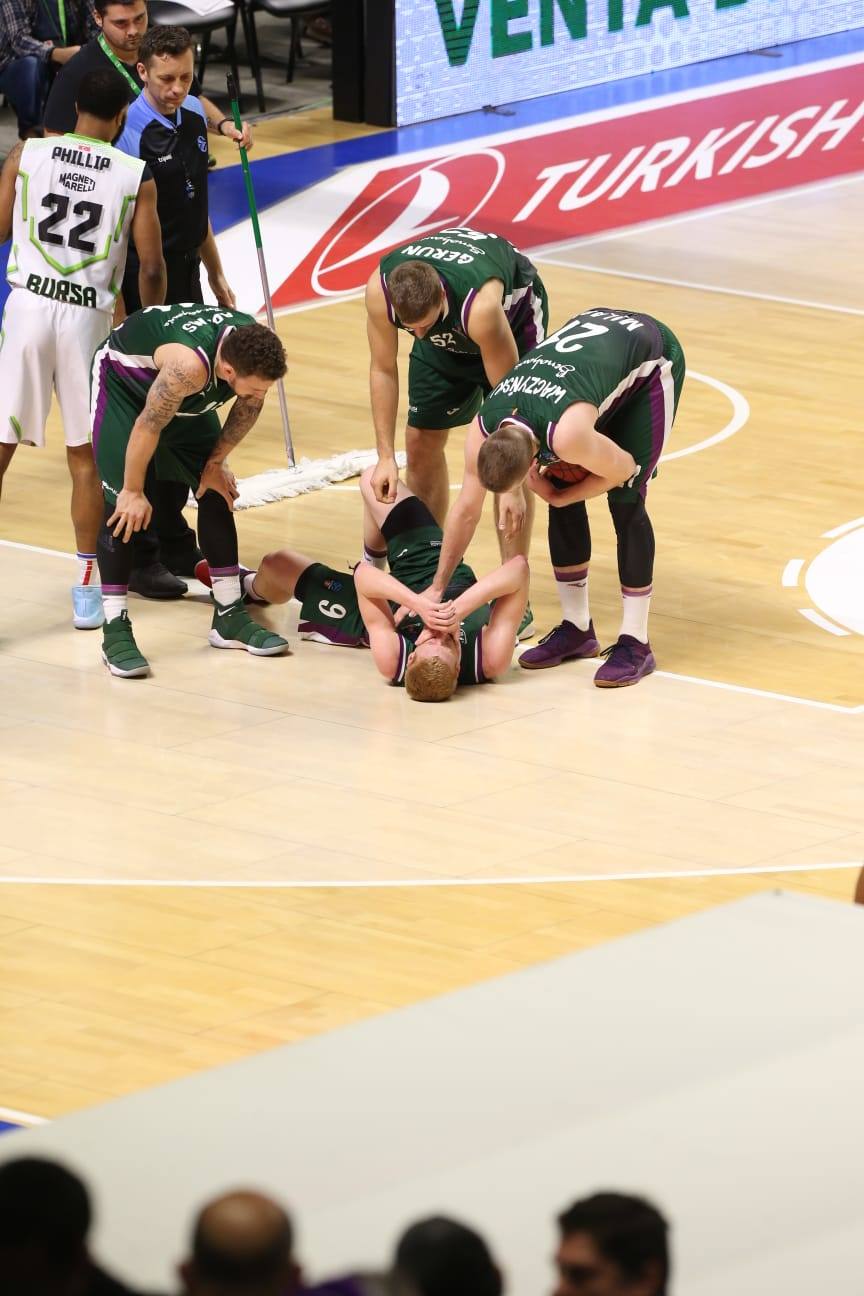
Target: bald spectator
[[242, 1245], [612, 1245], [441, 1257], [45, 1217]]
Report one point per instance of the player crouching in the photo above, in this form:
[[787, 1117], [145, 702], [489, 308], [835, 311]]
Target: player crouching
[[467, 637], [157, 383]]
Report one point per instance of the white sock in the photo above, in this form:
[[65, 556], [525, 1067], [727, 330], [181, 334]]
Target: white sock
[[375, 557], [248, 583], [114, 601], [635, 618], [573, 597], [226, 585], [88, 572]]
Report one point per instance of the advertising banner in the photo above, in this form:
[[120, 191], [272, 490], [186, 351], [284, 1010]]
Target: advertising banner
[[454, 56]]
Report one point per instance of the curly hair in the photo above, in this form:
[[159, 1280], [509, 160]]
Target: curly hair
[[505, 457], [415, 290], [255, 349], [163, 42], [430, 679]]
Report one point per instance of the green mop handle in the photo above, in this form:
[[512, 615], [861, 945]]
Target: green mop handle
[[262, 267]]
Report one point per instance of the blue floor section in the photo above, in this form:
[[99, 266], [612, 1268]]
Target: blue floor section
[[5, 1126]]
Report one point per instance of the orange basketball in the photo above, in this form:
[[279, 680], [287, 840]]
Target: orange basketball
[[567, 472]]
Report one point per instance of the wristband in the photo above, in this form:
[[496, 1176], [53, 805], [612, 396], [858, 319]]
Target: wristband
[[221, 123]]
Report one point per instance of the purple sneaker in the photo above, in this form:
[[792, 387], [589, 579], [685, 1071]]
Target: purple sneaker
[[565, 643], [626, 663]]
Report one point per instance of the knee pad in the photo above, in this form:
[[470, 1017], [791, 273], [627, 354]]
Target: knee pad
[[569, 535], [635, 542]]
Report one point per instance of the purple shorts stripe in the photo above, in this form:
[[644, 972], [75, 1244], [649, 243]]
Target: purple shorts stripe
[[115, 589], [101, 403], [657, 397]]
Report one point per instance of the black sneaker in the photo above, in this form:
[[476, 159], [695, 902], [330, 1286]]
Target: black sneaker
[[155, 581]]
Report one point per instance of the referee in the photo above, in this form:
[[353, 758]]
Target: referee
[[167, 129]]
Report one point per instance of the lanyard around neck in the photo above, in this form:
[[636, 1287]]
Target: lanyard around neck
[[61, 15], [121, 67]]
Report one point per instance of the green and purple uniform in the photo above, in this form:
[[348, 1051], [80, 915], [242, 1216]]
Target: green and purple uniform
[[330, 606], [630, 366], [446, 378], [123, 372]]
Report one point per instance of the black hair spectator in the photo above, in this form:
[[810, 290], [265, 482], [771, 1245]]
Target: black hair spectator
[[441, 1257], [45, 1217], [34, 41], [612, 1244]]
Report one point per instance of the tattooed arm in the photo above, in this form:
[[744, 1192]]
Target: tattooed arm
[[181, 373], [217, 475]]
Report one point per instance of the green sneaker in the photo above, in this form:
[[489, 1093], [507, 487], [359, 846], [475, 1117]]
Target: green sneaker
[[526, 625], [233, 627], [120, 651]]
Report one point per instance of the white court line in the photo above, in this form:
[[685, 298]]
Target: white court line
[[791, 572], [841, 530], [824, 624], [763, 693], [699, 213], [703, 287], [329, 884], [21, 1118]]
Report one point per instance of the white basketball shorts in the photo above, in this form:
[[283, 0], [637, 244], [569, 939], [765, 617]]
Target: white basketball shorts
[[46, 345]]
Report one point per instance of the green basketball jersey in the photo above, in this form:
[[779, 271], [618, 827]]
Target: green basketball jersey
[[603, 357], [413, 559], [132, 346], [466, 259]]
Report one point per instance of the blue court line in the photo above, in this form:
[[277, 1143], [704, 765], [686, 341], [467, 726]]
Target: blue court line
[[280, 177], [6, 1126]]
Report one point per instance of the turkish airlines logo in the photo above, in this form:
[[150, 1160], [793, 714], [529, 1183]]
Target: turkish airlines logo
[[449, 191]]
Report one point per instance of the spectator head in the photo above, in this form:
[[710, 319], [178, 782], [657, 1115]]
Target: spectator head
[[417, 295], [123, 24], [241, 1246], [251, 359], [102, 94], [44, 1221], [166, 66], [505, 456], [612, 1245], [440, 1257]]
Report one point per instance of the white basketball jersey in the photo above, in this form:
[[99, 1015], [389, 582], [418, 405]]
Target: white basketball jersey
[[74, 199]]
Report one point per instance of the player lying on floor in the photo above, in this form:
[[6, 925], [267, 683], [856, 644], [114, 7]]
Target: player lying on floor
[[464, 639]]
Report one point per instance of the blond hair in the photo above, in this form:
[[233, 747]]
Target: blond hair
[[430, 679], [505, 457], [415, 290]]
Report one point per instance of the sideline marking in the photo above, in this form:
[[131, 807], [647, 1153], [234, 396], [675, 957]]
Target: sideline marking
[[703, 287], [23, 1118], [330, 884]]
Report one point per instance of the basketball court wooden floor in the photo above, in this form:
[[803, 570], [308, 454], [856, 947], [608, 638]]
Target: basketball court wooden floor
[[237, 853]]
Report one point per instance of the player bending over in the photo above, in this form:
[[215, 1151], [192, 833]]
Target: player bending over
[[599, 395], [463, 639], [157, 383], [71, 203]]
